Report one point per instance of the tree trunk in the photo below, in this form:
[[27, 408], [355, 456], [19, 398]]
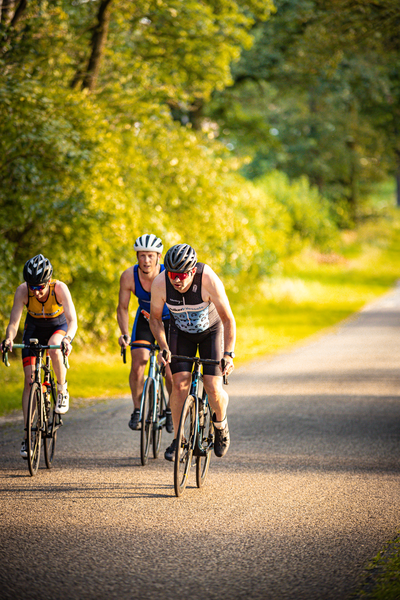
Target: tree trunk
[[398, 181], [99, 38], [18, 12], [6, 11], [11, 11], [353, 198]]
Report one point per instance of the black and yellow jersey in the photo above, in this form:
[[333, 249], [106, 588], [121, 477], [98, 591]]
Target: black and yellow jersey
[[50, 308]]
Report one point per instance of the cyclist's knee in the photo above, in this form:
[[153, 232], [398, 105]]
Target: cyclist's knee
[[181, 381], [55, 355], [213, 384]]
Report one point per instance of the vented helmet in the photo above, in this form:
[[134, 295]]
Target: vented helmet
[[38, 270], [148, 242], [180, 258]]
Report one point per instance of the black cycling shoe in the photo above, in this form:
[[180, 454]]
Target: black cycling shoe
[[169, 424], [134, 423], [169, 454], [222, 440]]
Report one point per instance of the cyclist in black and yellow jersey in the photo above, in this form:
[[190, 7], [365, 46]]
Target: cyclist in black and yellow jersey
[[51, 319]]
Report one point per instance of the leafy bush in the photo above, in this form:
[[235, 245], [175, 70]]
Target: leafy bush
[[310, 221]]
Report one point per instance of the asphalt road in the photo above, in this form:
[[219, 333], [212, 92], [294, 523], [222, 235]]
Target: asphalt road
[[307, 494]]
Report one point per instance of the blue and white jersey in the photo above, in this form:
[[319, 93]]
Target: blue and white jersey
[[188, 311]]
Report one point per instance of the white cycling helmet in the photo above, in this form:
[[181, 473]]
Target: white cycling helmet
[[148, 242]]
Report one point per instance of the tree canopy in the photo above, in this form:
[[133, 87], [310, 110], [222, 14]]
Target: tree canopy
[[222, 123]]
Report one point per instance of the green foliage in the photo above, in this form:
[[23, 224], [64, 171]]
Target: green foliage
[[317, 95], [381, 580], [83, 174], [55, 195], [308, 215]]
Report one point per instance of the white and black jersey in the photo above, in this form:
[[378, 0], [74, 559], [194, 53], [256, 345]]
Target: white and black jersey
[[188, 310]]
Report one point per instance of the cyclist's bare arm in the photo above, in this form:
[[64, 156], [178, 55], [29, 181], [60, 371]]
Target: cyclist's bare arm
[[20, 301], [126, 288], [64, 296], [158, 297], [213, 290]]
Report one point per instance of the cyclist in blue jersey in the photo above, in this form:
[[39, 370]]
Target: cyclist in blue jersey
[[201, 319], [137, 280]]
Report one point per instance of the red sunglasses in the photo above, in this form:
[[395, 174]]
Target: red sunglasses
[[39, 288], [180, 276]]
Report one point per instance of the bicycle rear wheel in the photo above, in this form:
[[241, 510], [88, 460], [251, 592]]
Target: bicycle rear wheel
[[147, 420], [184, 445], [157, 433], [203, 462], [33, 426], [49, 442]]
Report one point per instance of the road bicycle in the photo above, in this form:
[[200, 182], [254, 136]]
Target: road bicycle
[[42, 421], [153, 405], [195, 437]]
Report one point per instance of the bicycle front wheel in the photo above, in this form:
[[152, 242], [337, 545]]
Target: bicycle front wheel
[[33, 426], [157, 433], [184, 445], [203, 462], [147, 420], [49, 442]]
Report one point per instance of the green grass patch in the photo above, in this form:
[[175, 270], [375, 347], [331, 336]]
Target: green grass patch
[[382, 576]]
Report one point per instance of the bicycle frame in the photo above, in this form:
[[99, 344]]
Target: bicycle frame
[[200, 396], [41, 425], [46, 367], [155, 375]]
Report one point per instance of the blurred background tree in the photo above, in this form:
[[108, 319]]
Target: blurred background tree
[[247, 129]]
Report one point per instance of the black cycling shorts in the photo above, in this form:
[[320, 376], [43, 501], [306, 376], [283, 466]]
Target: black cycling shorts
[[141, 329], [42, 330], [209, 343]]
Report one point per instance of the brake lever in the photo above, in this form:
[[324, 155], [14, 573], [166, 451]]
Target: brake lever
[[225, 377], [5, 358], [65, 358], [165, 356]]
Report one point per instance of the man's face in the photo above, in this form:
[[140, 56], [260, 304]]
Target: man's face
[[147, 261], [182, 281]]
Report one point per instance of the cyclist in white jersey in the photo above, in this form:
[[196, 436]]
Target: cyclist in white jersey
[[201, 318]]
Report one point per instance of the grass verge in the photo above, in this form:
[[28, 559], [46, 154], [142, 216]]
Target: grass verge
[[382, 577]]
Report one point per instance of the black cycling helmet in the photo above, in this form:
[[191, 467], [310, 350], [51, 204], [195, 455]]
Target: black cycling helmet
[[38, 270], [180, 258]]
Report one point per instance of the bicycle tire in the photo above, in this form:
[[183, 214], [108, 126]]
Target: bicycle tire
[[147, 420], [34, 428], [184, 445], [203, 462], [157, 431], [50, 439]]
